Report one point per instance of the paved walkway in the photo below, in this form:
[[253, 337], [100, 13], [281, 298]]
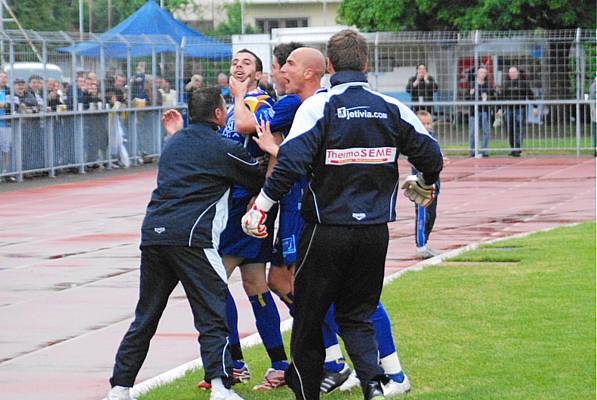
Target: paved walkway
[[69, 263]]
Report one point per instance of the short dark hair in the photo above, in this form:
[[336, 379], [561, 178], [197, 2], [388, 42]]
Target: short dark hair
[[203, 102], [258, 63], [282, 51], [35, 76], [347, 51]]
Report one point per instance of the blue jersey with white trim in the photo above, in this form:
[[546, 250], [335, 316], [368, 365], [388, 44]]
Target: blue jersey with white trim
[[261, 105], [348, 141]]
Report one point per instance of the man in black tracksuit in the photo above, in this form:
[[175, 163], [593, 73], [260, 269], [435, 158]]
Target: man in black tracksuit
[[347, 140], [179, 240]]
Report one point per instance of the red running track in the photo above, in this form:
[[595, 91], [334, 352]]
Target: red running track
[[69, 263]]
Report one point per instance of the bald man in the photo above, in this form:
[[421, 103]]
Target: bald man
[[302, 73]]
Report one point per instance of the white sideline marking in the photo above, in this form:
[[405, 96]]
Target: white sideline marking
[[254, 339]]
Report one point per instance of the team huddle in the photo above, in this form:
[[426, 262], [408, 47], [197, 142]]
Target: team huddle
[[322, 161]]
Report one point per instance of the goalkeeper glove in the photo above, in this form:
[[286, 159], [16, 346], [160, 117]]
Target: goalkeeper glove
[[253, 222], [417, 191]]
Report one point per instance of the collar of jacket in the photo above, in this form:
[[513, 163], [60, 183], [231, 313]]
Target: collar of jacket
[[348, 76], [209, 125]]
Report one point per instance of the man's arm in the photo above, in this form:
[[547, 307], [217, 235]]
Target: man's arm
[[295, 158], [241, 167], [244, 119]]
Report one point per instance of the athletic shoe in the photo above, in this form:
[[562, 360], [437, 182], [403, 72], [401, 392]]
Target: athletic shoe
[[241, 375], [395, 388], [426, 252], [374, 391], [273, 379], [333, 380], [228, 395], [351, 382], [204, 385], [119, 393]]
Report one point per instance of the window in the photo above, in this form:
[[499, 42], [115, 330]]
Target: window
[[266, 25]]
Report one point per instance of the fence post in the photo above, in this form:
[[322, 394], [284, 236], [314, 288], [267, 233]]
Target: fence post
[[579, 90], [19, 150], [376, 52], [476, 113]]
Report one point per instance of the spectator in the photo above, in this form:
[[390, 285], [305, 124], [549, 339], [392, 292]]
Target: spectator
[[92, 97], [92, 77], [81, 89], [224, 87], [24, 101], [149, 92], [54, 94], [421, 87], [593, 107], [266, 85], [117, 131], [138, 83], [120, 88], [480, 91], [195, 83], [169, 98], [516, 89], [36, 84], [5, 129]]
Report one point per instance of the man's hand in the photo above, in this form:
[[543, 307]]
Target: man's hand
[[417, 191], [253, 222], [266, 140], [172, 121], [238, 88]]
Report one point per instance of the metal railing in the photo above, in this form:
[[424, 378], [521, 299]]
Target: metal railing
[[69, 126]]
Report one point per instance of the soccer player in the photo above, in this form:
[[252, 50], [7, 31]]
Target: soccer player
[[425, 216], [251, 105], [348, 140], [179, 241]]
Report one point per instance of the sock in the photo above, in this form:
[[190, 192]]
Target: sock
[[385, 343], [234, 338], [334, 361], [267, 320], [288, 299]]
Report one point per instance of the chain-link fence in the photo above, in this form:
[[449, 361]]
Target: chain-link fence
[[71, 102]]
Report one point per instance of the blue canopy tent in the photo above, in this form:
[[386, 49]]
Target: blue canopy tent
[[151, 20]]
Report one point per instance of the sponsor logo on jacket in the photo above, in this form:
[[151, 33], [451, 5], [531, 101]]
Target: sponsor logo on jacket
[[360, 155], [359, 112]]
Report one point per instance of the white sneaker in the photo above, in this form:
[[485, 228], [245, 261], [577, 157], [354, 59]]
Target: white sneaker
[[426, 252], [350, 383], [119, 393], [228, 395], [393, 388]]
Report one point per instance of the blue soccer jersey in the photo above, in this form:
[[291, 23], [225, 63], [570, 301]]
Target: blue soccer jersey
[[261, 105]]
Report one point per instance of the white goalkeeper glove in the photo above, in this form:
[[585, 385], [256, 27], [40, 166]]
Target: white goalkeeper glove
[[417, 191], [253, 222]]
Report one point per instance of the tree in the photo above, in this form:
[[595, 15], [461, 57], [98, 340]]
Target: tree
[[63, 15], [397, 15], [233, 23]]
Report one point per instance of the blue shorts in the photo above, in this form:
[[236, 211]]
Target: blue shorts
[[235, 242], [290, 227], [289, 232]]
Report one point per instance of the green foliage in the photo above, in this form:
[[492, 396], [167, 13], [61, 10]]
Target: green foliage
[[48, 15], [56, 15], [233, 23], [397, 15]]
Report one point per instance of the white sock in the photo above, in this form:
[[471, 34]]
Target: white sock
[[391, 364], [333, 353]]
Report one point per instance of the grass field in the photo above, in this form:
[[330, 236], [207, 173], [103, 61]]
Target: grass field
[[511, 320]]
